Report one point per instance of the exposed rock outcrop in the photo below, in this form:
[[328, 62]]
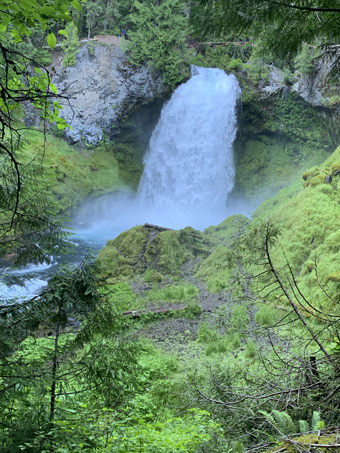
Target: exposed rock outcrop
[[102, 89], [314, 87]]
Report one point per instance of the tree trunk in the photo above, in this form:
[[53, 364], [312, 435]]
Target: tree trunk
[[55, 367]]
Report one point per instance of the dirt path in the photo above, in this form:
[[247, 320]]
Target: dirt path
[[173, 333]]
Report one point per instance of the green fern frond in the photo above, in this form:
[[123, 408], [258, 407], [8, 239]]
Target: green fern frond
[[303, 426]]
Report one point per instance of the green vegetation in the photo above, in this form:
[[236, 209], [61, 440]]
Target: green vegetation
[[143, 248], [73, 175], [281, 27], [70, 44], [158, 36], [224, 340]]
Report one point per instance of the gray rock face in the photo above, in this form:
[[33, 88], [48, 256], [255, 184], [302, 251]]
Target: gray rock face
[[274, 84], [313, 87], [102, 89]]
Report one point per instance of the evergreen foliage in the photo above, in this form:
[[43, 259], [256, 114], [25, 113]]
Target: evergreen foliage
[[280, 26], [70, 44], [158, 37]]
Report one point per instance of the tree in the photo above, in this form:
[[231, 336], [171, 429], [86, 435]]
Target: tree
[[70, 44], [158, 36], [111, 15], [93, 11], [27, 223], [61, 350], [281, 26]]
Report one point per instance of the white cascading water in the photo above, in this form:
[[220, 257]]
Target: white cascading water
[[189, 168], [188, 173]]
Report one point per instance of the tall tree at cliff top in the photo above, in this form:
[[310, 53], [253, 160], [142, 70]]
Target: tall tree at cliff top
[[158, 36], [27, 223], [282, 26]]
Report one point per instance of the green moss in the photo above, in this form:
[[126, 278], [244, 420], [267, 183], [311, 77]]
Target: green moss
[[302, 444], [308, 220], [173, 293], [145, 249], [264, 167], [72, 174], [124, 255], [278, 138], [152, 276], [227, 231], [216, 268]]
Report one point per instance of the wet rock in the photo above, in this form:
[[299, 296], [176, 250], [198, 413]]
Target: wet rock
[[101, 90], [313, 87]]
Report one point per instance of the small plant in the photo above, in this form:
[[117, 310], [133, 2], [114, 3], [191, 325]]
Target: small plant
[[193, 309], [90, 48], [70, 44], [240, 317], [265, 316], [206, 334], [284, 424]]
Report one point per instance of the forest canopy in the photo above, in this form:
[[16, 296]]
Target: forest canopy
[[281, 27]]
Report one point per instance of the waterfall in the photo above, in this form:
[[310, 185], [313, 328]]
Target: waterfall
[[188, 173], [189, 168]]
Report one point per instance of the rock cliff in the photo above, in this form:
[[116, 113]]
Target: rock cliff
[[102, 89]]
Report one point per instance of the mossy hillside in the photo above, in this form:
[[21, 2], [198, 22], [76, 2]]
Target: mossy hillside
[[150, 251], [227, 231], [308, 219], [75, 174], [264, 166], [218, 268], [278, 137]]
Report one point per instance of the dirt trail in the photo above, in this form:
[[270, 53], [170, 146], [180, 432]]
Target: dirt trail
[[173, 333]]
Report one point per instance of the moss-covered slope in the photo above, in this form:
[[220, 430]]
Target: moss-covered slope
[[151, 249], [75, 174], [278, 138], [308, 216]]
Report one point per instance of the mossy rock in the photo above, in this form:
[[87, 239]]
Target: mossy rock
[[306, 443], [152, 251]]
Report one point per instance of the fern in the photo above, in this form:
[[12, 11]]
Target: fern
[[269, 418], [317, 423], [281, 421], [284, 422], [303, 426]]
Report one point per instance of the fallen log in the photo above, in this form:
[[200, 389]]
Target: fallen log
[[138, 313], [156, 227]]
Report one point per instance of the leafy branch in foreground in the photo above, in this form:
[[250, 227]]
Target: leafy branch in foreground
[[27, 226], [59, 351]]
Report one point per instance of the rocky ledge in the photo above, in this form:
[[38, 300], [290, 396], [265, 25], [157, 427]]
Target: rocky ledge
[[102, 89]]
